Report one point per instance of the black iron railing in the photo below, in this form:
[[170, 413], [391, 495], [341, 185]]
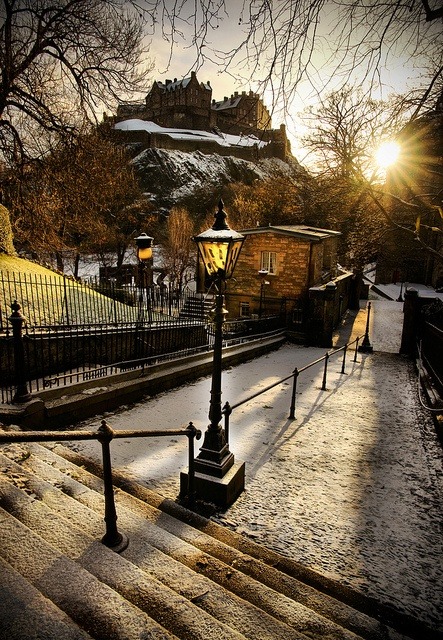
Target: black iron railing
[[228, 408], [105, 434]]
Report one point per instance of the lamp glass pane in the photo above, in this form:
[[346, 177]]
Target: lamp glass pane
[[214, 255], [144, 253]]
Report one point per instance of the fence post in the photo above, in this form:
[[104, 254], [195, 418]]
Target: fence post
[[192, 434], [294, 392], [356, 348], [323, 387], [344, 359], [18, 321], [112, 538]]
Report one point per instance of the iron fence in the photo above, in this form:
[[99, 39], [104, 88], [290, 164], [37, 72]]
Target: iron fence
[[431, 352], [59, 300]]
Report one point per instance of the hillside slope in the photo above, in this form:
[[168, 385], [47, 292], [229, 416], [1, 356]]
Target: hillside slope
[[171, 176]]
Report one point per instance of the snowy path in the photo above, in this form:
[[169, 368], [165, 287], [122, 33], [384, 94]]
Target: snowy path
[[352, 487]]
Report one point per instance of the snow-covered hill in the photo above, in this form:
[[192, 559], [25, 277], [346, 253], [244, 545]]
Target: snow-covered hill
[[172, 176]]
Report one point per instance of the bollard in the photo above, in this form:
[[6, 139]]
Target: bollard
[[18, 321], [344, 359], [366, 346], [323, 387], [294, 392], [357, 340], [112, 538]]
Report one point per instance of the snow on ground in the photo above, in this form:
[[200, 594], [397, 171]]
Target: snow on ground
[[352, 487]]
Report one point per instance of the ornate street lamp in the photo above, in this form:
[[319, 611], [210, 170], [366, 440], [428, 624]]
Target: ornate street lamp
[[219, 248]]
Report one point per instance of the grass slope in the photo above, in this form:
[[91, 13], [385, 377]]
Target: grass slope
[[48, 298]]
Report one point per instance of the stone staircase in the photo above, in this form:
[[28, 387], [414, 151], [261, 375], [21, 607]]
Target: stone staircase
[[181, 576]]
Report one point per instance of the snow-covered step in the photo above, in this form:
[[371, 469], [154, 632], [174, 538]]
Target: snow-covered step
[[136, 589], [258, 600]]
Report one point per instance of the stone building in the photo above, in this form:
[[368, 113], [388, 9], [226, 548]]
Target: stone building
[[180, 103], [242, 113], [280, 262]]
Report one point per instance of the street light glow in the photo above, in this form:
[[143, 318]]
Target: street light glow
[[387, 154]]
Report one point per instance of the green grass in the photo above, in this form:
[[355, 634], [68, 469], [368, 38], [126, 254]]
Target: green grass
[[48, 298]]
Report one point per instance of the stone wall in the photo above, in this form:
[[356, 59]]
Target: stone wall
[[292, 277]]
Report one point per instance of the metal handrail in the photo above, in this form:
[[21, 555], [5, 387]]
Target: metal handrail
[[113, 538], [228, 408]]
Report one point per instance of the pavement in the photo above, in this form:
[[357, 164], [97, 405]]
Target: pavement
[[351, 488]]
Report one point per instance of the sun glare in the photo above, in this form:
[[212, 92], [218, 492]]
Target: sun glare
[[387, 154]]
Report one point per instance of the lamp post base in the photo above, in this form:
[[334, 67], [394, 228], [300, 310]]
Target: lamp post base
[[222, 492]]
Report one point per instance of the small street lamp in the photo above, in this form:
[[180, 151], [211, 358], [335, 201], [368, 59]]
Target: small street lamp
[[218, 480], [144, 256], [263, 273]]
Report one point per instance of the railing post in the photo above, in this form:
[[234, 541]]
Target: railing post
[[18, 321], [227, 413], [366, 346], [356, 348], [192, 434], [294, 393], [112, 538], [344, 358], [325, 371]]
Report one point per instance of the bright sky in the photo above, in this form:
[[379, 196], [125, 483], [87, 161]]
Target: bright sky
[[395, 77]]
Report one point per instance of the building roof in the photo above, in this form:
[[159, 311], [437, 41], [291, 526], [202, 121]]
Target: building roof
[[313, 234], [174, 85]]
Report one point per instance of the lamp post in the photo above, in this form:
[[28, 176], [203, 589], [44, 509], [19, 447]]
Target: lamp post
[[263, 273], [218, 479], [144, 255]]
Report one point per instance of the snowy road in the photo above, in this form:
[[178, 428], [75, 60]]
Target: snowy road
[[352, 487]]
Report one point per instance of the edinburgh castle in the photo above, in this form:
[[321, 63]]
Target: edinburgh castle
[[187, 105]]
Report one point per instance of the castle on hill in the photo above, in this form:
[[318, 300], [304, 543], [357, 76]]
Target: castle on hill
[[188, 104]]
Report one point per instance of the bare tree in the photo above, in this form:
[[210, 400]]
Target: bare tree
[[178, 248], [346, 128], [61, 61], [82, 198]]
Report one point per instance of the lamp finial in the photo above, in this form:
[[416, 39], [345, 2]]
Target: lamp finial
[[220, 223]]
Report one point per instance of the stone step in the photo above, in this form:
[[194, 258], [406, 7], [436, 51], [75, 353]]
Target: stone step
[[92, 605], [171, 561], [346, 607], [26, 613], [190, 583]]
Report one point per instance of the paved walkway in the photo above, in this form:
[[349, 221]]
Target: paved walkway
[[352, 487]]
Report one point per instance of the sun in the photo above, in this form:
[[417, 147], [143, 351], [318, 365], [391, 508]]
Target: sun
[[387, 154]]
